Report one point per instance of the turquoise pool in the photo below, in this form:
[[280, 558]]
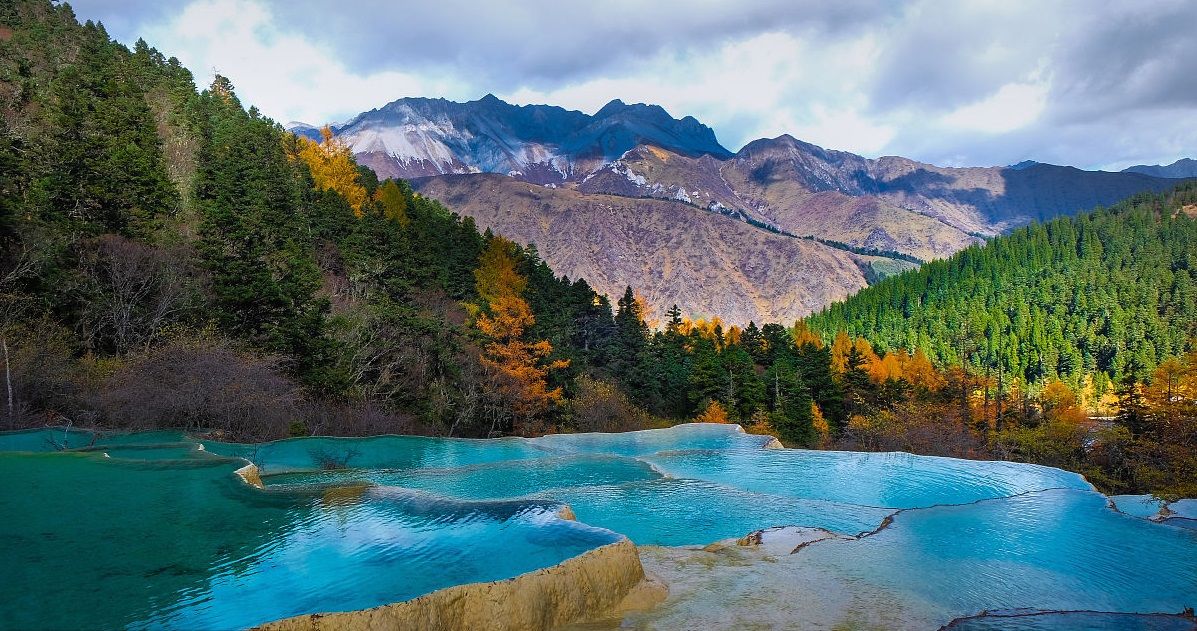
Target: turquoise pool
[[155, 530]]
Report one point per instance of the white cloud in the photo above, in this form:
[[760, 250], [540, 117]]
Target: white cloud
[[764, 86], [1012, 107], [973, 83], [284, 74]]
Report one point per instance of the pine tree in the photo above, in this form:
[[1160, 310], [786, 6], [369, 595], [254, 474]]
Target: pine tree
[[753, 341], [745, 390], [708, 378], [791, 403]]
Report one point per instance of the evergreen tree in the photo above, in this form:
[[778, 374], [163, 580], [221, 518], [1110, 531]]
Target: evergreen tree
[[791, 404], [745, 389]]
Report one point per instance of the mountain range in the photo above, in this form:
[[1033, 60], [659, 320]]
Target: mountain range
[[1183, 168], [417, 137], [632, 196]]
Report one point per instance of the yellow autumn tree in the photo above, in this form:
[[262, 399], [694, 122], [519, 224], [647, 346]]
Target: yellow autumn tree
[[1061, 404], [645, 311], [820, 425], [872, 363], [496, 275], [803, 335], [709, 329], [713, 414], [888, 368], [517, 368], [1171, 398], [393, 202], [918, 370], [333, 168], [840, 347], [759, 423]]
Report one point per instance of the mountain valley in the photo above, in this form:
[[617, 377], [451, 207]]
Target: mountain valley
[[576, 185]]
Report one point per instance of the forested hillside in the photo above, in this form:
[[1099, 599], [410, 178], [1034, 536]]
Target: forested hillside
[[1104, 294], [1069, 343], [169, 258]]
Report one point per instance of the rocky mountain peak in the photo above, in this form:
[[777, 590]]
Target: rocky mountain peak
[[417, 137]]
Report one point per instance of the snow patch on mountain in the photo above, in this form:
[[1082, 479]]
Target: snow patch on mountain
[[538, 143]]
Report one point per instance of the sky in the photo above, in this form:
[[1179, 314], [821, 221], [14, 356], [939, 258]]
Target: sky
[[1095, 84]]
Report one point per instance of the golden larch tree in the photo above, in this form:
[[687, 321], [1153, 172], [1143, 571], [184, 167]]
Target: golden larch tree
[[713, 414], [820, 425], [918, 370], [840, 347], [394, 204], [803, 335], [645, 311], [517, 368], [332, 166]]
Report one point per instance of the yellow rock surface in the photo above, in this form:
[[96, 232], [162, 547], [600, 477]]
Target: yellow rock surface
[[576, 589], [249, 473], [567, 512]]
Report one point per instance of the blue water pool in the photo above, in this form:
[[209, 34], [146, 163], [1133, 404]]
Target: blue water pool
[[155, 530]]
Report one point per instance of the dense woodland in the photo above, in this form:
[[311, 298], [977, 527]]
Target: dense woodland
[[172, 259]]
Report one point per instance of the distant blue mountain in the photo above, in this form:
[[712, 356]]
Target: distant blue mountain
[[1185, 167], [304, 129]]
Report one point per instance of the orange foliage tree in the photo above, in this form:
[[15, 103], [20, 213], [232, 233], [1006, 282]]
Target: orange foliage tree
[[819, 423], [516, 367], [1171, 399], [1061, 404], [920, 372]]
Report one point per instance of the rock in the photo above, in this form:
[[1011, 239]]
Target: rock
[[785, 539], [249, 473], [584, 587]]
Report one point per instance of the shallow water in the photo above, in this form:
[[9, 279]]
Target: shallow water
[[1053, 550], [1144, 506], [1074, 621], [154, 530]]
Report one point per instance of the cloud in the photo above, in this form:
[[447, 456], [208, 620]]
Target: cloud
[[1012, 107], [282, 73], [541, 43], [1128, 57], [746, 89], [966, 83], [943, 55]]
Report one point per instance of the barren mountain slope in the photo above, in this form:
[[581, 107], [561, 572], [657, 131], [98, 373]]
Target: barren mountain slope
[[776, 196], [670, 252], [890, 203]]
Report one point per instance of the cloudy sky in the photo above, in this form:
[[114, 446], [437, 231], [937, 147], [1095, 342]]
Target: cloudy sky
[[1093, 84]]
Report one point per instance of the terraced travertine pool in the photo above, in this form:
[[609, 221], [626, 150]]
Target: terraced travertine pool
[[155, 530]]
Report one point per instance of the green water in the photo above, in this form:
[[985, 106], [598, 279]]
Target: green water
[[169, 537]]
